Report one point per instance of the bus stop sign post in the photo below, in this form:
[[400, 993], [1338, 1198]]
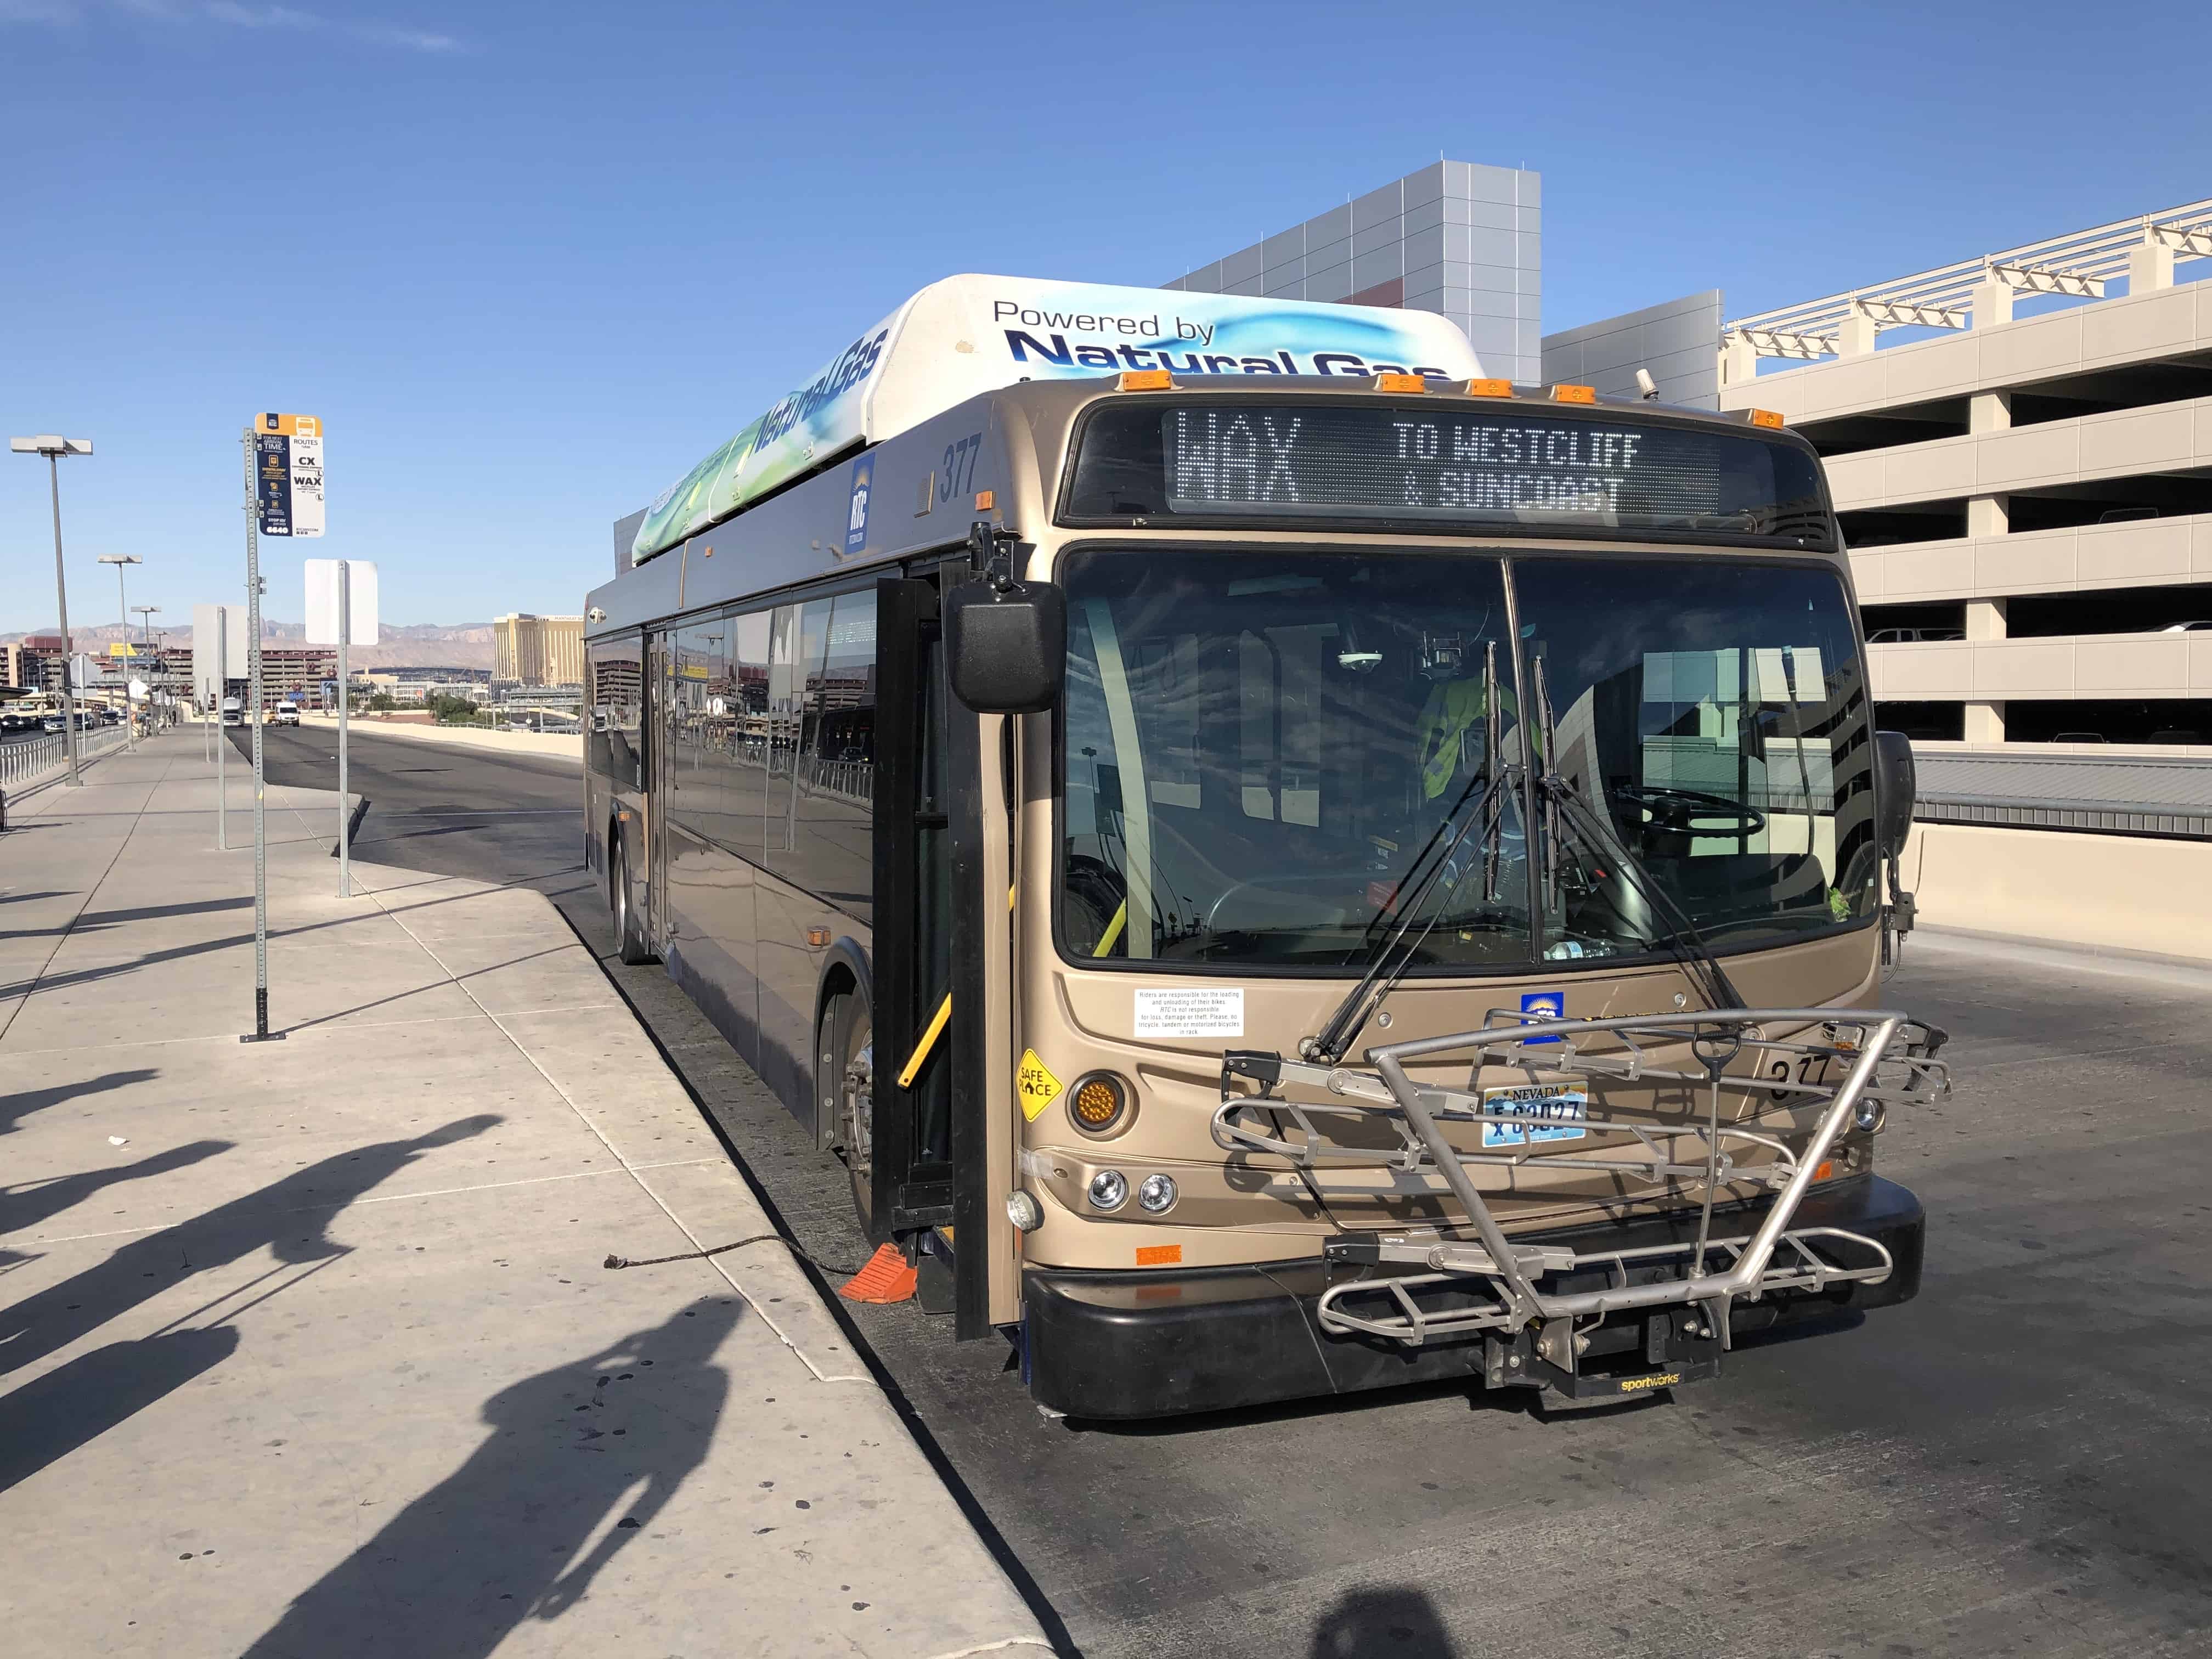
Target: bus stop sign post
[[260, 1032], [221, 741], [284, 497]]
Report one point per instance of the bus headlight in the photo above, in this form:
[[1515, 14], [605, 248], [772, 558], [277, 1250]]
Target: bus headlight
[[1156, 1193], [1099, 1103], [1109, 1190]]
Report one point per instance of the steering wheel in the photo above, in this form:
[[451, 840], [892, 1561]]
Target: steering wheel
[[1690, 812]]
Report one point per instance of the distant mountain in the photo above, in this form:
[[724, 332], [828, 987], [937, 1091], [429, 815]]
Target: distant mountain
[[409, 645]]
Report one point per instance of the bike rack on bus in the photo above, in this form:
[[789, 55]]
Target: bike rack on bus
[[1489, 1283]]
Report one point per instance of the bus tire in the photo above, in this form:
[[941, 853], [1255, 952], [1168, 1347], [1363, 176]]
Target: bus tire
[[847, 1044], [629, 945]]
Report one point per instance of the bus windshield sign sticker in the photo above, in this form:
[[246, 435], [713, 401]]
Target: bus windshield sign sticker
[[1035, 1083], [1190, 1012], [1554, 1112]]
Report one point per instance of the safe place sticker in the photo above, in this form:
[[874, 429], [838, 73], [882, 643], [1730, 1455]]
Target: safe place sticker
[[1034, 1083], [1551, 1111], [1190, 1012]]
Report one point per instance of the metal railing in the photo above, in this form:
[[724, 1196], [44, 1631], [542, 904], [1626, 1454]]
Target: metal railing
[[23, 763]]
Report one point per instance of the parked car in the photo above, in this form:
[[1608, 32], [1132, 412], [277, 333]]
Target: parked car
[[2081, 737], [2187, 627]]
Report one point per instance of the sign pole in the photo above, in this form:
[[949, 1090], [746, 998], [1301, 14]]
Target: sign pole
[[260, 1032], [61, 601], [346, 634], [221, 743]]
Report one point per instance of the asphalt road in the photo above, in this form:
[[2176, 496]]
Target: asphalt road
[[2015, 1463]]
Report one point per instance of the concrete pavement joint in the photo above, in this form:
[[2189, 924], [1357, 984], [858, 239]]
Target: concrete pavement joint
[[757, 1304], [30, 988]]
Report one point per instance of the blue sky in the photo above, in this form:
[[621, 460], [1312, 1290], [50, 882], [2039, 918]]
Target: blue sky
[[530, 262]]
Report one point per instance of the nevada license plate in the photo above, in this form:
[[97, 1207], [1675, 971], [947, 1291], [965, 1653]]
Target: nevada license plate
[[1548, 1111]]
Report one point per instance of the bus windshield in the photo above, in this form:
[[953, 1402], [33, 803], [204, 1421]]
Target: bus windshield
[[1259, 747]]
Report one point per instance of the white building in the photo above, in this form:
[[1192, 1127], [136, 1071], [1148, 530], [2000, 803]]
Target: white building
[[2027, 498]]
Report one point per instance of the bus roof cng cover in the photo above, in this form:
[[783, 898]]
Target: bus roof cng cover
[[966, 335]]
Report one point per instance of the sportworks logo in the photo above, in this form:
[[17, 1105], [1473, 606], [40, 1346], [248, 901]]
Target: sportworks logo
[[1659, 1382]]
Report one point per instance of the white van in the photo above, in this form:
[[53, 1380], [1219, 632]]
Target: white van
[[287, 713]]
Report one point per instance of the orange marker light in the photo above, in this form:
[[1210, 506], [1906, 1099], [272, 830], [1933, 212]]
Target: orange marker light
[[1824, 1171], [1574, 394], [1144, 380], [985, 500], [1490, 388], [1401, 383], [1766, 417]]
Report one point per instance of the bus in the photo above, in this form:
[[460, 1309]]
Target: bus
[[1288, 864]]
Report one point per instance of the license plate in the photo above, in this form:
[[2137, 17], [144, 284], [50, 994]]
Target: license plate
[[1552, 1111]]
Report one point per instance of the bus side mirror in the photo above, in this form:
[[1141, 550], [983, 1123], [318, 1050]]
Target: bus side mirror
[[1006, 648], [1896, 791]]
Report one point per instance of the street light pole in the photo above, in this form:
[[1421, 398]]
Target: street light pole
[[123, 610], [146, 613], [53, 449]]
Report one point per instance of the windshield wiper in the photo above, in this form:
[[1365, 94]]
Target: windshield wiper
[[1561, 806], [1388, 962]]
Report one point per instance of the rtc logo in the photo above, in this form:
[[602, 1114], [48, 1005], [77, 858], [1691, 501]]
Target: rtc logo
[[1544, 1004]]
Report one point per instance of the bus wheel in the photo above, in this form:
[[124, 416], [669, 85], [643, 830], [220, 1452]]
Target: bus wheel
[[852, 1041], [628, 946]]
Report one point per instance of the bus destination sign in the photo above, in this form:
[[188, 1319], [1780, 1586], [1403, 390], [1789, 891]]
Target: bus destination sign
[[1392, 462]]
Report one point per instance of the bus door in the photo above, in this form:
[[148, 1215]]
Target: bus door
[[930, 1160], [659, 729]]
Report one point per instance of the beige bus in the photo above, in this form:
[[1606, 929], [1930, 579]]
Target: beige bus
[[1288, 883]]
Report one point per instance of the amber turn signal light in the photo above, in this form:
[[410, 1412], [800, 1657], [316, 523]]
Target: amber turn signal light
[[1099, 1103]]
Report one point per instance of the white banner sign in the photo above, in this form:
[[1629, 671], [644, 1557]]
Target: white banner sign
[[204, 638], [323, 601]]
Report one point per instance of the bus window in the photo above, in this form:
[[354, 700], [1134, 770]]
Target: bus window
[[611, 745], [744, 783], [1718, 723], [794, 693], [832, 848], [697, 728], [1260, 748]]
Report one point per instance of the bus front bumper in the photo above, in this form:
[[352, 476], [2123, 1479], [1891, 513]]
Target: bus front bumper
[[1104, 1344]]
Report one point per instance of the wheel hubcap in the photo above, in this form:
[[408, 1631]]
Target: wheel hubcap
[[860, 1091]]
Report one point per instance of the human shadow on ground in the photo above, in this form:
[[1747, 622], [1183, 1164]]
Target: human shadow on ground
[[27, 1203], [1395, 1619], [72, 1405], [291, 1217], [16, 1107], [93, 921], [585, 1455]]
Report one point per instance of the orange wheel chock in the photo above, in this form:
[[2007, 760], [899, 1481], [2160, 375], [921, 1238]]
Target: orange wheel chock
[[887, 1278]]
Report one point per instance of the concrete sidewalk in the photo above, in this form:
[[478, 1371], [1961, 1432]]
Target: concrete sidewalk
[[306, 1349]]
